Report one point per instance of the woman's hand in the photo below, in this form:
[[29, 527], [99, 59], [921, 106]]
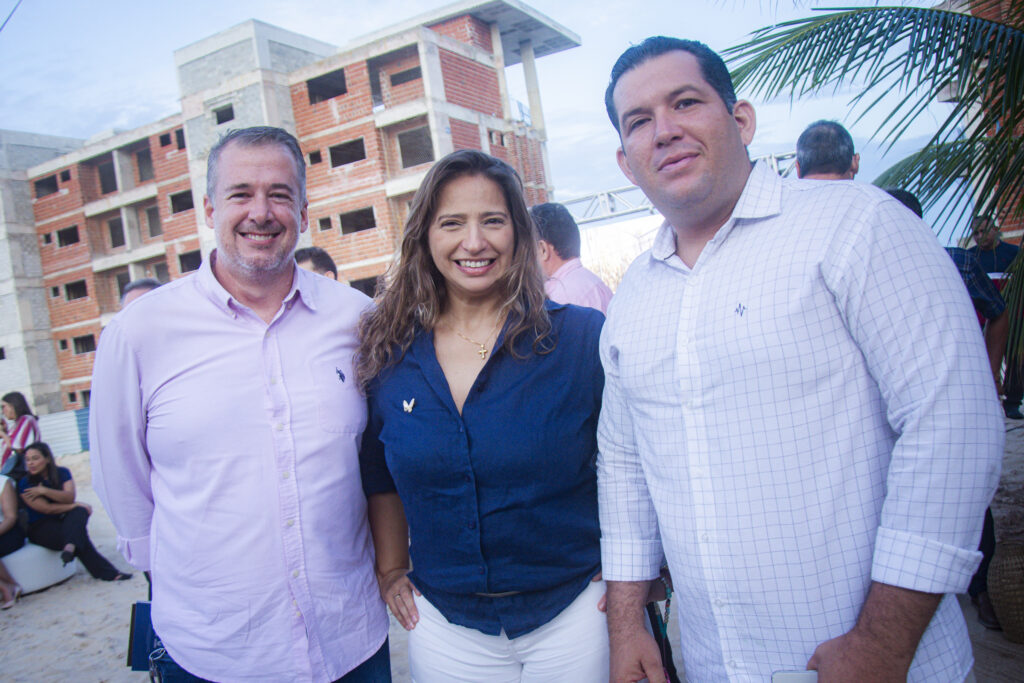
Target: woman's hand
[[88, 508], [34, 492], [397, 591]]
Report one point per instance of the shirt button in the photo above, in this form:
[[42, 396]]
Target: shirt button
[[295, 574], [298, 614], [471, 525], [719, 602], [273, 380], [279, 426], [285, 475], [732, 663], [703, 537], [291, 522], [294, 604]]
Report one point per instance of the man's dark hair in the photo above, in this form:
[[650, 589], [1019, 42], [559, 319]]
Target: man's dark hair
[[712, 68], [321, 260], [907, 198], [254, 137], [555, 225], [143, 283], [824, 147]]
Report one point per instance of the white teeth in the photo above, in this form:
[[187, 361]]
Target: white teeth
[[474, 264], [258, 237]]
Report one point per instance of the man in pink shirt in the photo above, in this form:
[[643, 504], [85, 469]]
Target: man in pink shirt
[[224, 431], [559, 248]]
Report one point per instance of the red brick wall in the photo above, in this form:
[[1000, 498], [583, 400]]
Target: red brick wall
[[174, 251], [63, 312], [355, 103], [465, 135], [357, 246], [67, 198], [466, 29], [323, 181], [403, 92], [527, 157], [168, 162], [182, 224], [470, 84], [55, 258]]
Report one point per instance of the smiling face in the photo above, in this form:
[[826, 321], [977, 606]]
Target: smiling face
[[9, 411], [35, 461], [471, 238], [680, 144], [257, 213]]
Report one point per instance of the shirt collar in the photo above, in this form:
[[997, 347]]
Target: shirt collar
[[303, 288], [761, 198], [566, 268]]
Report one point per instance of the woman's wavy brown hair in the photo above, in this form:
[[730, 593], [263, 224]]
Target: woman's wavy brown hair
[[414, 294]]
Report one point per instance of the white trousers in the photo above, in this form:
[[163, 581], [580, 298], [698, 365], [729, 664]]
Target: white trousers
[[571, 647]]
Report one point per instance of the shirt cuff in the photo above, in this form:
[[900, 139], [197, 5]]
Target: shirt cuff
[[922, 564], [136, 551], [625, 560]]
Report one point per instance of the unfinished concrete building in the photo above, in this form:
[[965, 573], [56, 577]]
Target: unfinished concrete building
[[370, 117]]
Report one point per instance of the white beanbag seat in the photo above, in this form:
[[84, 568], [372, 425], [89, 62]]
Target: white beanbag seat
[[35, 567]]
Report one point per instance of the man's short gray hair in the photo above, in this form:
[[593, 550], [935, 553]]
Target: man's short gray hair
[[824, 147], [254, 137]]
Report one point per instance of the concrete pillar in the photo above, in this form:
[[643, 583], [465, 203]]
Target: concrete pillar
[[533, 88], [499, 67], [124, 170], [130, 225]]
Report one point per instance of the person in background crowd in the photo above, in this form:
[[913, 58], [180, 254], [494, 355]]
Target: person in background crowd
[[484, 399], [765, 423], [55, 520], [11, 538], [824, 151], [996, 256], [225, 425], [136, 288], [316, 260], [558, 245], [23, 430]]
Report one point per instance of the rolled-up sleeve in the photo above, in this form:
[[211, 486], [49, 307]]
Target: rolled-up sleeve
[[630, 541], [372, 465], [117, 442], [913, 322]]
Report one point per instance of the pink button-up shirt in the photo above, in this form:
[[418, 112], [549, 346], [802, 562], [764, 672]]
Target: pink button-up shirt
[[574, 284], [225, 451]]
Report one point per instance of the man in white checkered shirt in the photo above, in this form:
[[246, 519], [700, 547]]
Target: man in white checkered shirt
[[797, 408]]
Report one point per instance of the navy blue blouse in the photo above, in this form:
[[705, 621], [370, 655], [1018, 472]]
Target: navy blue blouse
[[504, 496], [28, 481]]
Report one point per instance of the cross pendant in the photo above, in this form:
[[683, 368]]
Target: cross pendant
[[482, 352]]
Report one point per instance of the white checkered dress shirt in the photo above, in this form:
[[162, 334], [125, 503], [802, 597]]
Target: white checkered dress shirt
[[807, 409]]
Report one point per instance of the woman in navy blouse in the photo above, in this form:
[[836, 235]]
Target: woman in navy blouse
[[481, 439], [55, 520]]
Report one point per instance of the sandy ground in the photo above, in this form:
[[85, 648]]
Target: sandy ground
[[78, 630]]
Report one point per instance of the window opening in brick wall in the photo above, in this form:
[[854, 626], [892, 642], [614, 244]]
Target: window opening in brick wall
[[325, 224], [328, 86], [165, 139], [153, 221], [161, 272], [179, 137], [75, 290], [347, 153], [224, 114], [144, 160], [406, 76], [47, 238], [367, 285], [84, 344], [315, 157], [86, 398], [182, 201], [122, 279], [3, 355], [116, 228], [415, 147], [65, 176], [66, 236], [108, 177], [72, 397], [46, 186], [355, 221], [54, 291], [63, 344], [190, 261]]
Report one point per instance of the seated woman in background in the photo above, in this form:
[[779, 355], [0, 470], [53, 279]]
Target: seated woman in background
[[11, 539], [483, 405], [22, 431], [55, 520]]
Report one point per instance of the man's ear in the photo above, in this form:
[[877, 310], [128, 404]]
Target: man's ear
[[543, 250], [854, 166], [796, 167], [746, 120], [620, 157], [208, 210]]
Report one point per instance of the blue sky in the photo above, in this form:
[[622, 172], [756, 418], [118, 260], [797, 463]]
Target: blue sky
[[75, 67]]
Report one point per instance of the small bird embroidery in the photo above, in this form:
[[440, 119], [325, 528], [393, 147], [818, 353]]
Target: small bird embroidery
[[740, 310], [407, 406], [341, 375]]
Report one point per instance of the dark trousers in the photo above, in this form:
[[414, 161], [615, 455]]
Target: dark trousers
[[1013, 386], [979, 582], [376, 669], [56, 531], [12, 540]]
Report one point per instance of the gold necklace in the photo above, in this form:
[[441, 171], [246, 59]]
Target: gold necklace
[[483, 350]]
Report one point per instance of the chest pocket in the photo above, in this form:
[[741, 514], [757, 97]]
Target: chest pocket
[[341, 408]]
